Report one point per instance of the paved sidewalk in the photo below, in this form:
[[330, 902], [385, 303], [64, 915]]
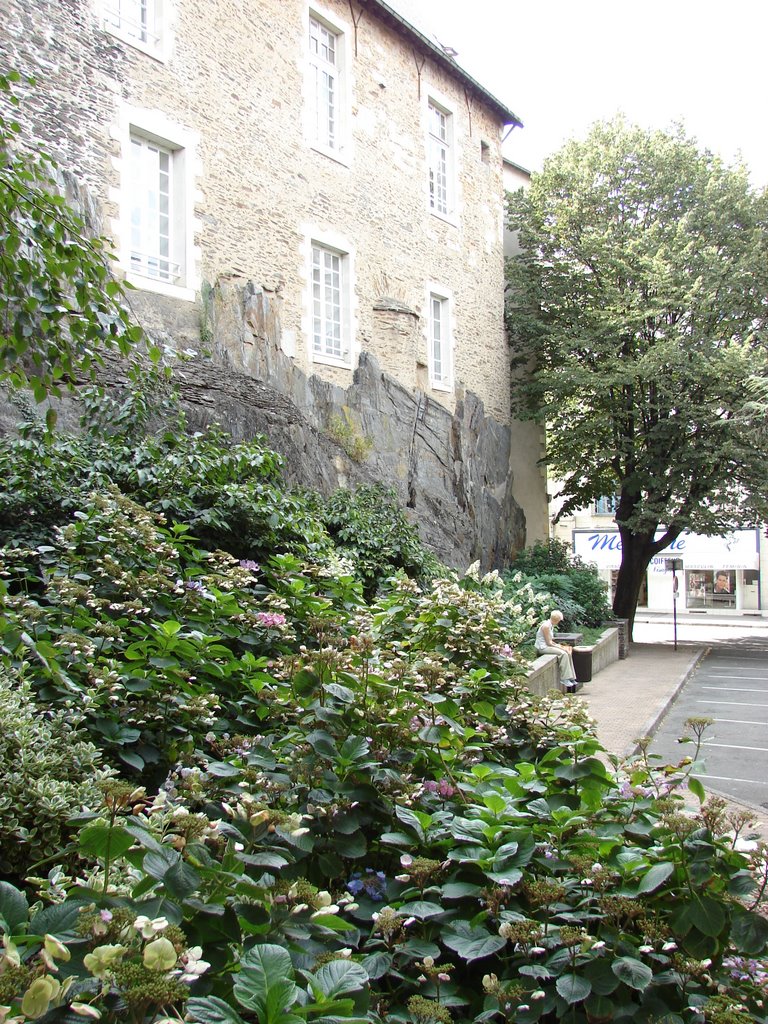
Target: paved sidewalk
[[628, 698]]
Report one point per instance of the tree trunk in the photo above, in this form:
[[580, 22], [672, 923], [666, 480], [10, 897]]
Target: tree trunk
[[637, 550]]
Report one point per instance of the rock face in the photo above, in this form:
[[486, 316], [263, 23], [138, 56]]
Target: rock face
[[451, 471]]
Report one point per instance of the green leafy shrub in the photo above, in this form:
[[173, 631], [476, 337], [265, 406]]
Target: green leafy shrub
[[61, 305], [371, 529], [48, 773], [230, 494], [335, 808], [574, 586]]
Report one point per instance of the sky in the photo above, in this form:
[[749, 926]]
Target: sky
[[561, 65]]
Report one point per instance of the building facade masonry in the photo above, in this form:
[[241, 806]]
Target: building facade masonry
[[330, 153]]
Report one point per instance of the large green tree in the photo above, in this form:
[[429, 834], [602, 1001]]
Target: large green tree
[[60, 305], [638, 308]]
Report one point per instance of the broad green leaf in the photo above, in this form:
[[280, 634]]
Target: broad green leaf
[[421, 909], [695, 786], [181, 880], [212, 1010], [101, 841], [749, 931], [573, 988], [601, 977], [332, 921], [632, 972], [377, 965], [707, 914], [14, 908], [459, 890], [60, 920], [655, 877], [341, 976], [158, 862], [472, 943], [265, 983], [599, 1008], [409, 818]]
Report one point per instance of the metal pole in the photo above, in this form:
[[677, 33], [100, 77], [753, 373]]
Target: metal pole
[[674, 605]]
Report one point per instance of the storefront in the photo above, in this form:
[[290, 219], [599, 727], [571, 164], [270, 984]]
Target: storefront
[[717, 574]]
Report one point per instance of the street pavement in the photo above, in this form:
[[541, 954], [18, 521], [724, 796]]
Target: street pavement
[[653, 691], [730, 687]]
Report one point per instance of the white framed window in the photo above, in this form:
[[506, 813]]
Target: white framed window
[[439, 338], [326, 85], [327, 302], [142, 23], [156, 226], [607, 505], [329, 314], [441, 159]]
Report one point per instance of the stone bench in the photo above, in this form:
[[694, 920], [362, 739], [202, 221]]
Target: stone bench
[[543, 675]]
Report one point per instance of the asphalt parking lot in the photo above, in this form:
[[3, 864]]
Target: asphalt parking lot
[[730, 686]]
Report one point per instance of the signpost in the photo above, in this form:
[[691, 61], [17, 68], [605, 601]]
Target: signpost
[[672, 565]]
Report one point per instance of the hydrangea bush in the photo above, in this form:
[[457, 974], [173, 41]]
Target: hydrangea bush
[[326, 807]]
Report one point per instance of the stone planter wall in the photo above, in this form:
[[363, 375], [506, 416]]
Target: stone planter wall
[[543, 674]]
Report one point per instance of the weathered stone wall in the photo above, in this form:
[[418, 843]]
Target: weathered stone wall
[[450, 469]]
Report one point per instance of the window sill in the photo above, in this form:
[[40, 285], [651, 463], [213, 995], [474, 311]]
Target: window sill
[[446, 218], [437, 385], [343, 364], [155, 51], [338, 156], [150, 284]]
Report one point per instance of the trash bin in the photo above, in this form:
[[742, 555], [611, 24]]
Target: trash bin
[[582, 664]]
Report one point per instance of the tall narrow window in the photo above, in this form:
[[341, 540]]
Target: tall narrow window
[[151, 210], [439, 341], [440, 160], [325, 84], [137, 21], [156, 224], [327, 303]]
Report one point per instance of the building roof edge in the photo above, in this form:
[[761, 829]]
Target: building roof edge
[[397, 22]]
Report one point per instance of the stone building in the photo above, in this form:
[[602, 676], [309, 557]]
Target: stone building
[[327, 160]]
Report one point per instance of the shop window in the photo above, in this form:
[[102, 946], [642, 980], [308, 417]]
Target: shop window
[[707, 588]]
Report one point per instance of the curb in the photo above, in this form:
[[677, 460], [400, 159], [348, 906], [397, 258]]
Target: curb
[[652, 724]]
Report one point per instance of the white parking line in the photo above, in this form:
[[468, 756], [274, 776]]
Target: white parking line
[[733, 703], [728, 778], [740, 721], [734, 746], [723, 675], [735, 689]]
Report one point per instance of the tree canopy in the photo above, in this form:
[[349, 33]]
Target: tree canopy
[[638, 305], [60, 305]]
